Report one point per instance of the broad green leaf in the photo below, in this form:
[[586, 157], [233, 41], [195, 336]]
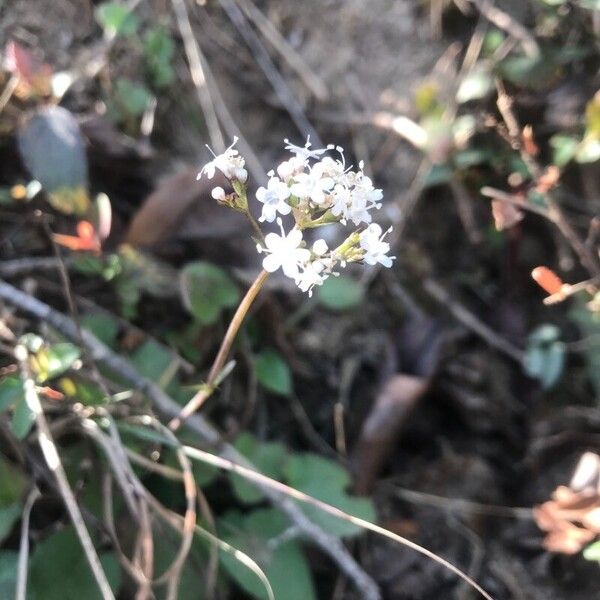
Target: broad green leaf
[[116, 19], [207, 290], [340, 293], [11, 390], [59, 569], [282, 560], [12, 483], [268, 457], [9, 515], [193, 576], [273, 372], [131, 98], [327, 481], [102, 325], [533, 72], [155, 362], [22, 420], [8, 573]]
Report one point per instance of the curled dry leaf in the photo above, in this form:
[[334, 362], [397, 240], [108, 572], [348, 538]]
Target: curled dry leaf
[[181, 200], [380, 430], [571, 518]]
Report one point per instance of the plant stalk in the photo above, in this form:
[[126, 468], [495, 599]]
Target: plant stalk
[[209, 387]]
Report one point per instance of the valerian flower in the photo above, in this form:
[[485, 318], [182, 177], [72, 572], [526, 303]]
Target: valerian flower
[[316, 190], [304, 151], [284, 251], [273, 198], [313, 185], [230, 163], [375, 249]]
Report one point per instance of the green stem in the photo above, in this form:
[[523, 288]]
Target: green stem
[[238, 318]]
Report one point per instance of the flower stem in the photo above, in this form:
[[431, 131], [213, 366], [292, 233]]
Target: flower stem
[[238, 318]]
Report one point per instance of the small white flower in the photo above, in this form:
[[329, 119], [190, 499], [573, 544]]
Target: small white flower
[[341, 202], [304, 152], [320, 247], [230, 163], [311, 275], [313, 185], [274, 198], [371, 241], [284, 252], [292, 167], [218, 193]]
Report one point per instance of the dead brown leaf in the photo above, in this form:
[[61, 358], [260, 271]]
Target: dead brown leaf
[[572, 517], [380, 430]]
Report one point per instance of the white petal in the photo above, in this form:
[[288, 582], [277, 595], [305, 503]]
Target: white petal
[[271, 263], [294, 237]]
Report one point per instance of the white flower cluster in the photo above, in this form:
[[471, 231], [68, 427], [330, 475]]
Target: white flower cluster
[[324, 185], [317, 190], [230, 163]]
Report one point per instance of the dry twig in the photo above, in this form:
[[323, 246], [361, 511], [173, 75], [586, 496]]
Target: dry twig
[[165, 405], [54, 463]]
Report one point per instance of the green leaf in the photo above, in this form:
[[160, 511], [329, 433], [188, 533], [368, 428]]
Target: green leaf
[[83, 391], [158, 50], [545, 356], [52, 361], [102, 325], [327, 481], [9, 515], [11, 390], [564, 148], [207, 290], [131, 98], [282, 560], [273, 373], [22, 420], [59, 570], [589, 325], [340, 293], [8, 573], [116, 19], [592, 552], [155, 362], [532, 72], [193, 577], [437, 175], [268, 457], [12, 483]]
